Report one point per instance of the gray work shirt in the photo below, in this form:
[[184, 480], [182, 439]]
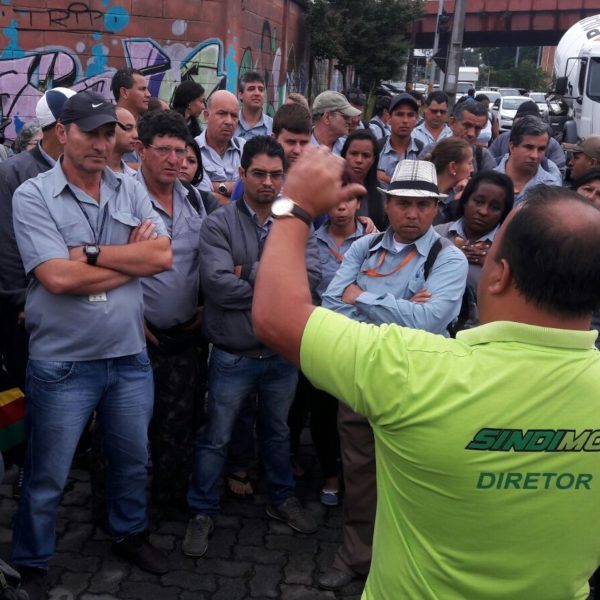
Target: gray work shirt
[[171, 297], [48, 217], [388, 158], [217, 167], [247, 132], [337, 145], [540, 176]]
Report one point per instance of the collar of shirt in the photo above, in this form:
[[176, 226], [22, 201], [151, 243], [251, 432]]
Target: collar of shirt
[[387, 147], [458, 228], [262, 122], [267, 223], [46, 156], [422, 244], [58, 181], [322, 234], [234, 144], [179, 193], [509, 331], [541, 176], [127, 170]]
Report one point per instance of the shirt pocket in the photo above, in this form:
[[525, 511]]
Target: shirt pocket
[[119, 227], [76, 233]]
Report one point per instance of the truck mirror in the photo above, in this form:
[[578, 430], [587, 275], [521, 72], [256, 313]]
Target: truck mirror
[[561, 85]]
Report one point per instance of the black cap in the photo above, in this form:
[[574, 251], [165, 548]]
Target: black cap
[[403, 99], [88, 110]]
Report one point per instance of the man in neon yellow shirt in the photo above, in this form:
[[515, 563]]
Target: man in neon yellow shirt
[[488, 478]]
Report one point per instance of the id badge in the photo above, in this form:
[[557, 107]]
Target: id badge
[[98, 297]]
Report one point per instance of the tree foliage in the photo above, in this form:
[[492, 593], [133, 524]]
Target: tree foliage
[[370, 35]]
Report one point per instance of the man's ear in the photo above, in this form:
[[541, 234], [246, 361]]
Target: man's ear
[[61, 133], [500, 277]]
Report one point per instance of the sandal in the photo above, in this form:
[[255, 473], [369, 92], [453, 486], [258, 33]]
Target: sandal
[[239, 486]]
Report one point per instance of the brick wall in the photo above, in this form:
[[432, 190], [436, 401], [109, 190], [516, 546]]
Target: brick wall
[[79, 44]]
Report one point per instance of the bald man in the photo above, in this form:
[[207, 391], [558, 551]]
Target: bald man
[[126, 135], [221, 150]]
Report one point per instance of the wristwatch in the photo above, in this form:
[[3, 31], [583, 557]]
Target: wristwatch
[[223, 189], [286, 207], [92, 251]]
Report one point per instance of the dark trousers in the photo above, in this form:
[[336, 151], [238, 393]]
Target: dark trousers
[[323, 425], [360, 498]]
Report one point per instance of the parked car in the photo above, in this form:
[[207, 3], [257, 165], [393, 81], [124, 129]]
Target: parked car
[[540, 99], [491, 94], [509, 91], [505, 108]]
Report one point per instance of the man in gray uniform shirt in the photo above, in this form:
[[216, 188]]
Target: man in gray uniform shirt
[[86, 236], [171, 308]]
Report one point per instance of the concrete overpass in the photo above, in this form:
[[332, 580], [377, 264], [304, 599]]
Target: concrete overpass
[[508, 22]]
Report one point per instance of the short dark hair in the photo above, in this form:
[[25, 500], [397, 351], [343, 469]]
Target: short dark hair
[[527, 125], [355, 95], [554, 266], [261, 144], [417, 95], [364, 134], [437, 96], [382, 103], [293, 117], [471, 106], [250, 77], [161, 122], [482, 98], [495, 178], [190, 142], [155, 103], [123, 78], [591, 175]]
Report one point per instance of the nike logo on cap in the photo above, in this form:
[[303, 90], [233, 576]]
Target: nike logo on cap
[[96, 105]]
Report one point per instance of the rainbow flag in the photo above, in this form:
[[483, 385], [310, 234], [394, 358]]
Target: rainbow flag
[[12, 418]]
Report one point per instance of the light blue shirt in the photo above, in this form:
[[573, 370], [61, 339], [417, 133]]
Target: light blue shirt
[[263, 127], [388, 159], [48, 217], [171, 297], [387, 299], [328, 250], [541, 176], [379, 128], [217, 167], [420, 132], [337, 145]]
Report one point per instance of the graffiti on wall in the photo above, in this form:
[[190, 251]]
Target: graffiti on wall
[[103, 47]]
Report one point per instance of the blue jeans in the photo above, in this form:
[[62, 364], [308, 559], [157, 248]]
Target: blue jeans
[[61, 397], [231, 379]]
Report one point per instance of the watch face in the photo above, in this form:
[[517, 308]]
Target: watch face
[[281, 207], [91, 249]]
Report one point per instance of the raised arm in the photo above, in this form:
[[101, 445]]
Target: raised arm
[[282, 301]]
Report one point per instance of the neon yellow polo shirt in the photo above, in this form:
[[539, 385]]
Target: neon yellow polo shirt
[[488, 463]]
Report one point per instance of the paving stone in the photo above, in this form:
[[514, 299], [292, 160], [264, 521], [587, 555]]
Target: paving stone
[[74, 537], [221, 543], [326, 555], [147, 591], [292, 543], [253, 531], [244, 510], [228, 568], [260, 555], [190, 581], [301, 592], [300, 569], [89, 596], [194, 596], [224, 521], [75, 562], [230, 589], [108, 579], [75, 583], [265, 583], [176, 528]]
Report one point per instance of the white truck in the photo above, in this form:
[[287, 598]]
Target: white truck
[[577, 76], [467, 79]]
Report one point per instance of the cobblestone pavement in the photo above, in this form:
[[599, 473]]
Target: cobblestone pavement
[[249, 555]]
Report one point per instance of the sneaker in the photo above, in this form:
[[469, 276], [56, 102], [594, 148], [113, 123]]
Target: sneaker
[[34, 582], [195, 542], [329, 497], [290, 511], [18, 483], [139, 551]]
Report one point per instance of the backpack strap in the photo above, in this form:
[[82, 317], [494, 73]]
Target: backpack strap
[[192, 198], [435, 249], [478, 157], [375, 240], [374, 122]]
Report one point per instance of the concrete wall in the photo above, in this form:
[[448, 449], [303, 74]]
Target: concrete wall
[[79, 44]]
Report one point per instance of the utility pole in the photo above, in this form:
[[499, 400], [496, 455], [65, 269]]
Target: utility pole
[[436, 45], [455, 51]]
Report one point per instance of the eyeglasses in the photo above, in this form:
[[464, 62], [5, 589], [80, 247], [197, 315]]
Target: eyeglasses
[[261, 175], [167, 150]]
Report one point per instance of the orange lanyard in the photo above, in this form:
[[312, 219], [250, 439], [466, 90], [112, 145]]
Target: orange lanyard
[[372, 272], [339, 256]]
